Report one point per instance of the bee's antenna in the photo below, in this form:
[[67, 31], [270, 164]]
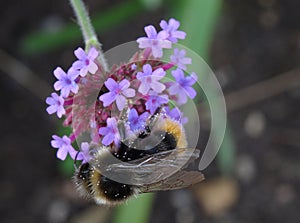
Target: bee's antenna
[[75, 166]]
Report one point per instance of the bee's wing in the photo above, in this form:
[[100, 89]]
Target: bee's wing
[[156, 167], [181, 179]]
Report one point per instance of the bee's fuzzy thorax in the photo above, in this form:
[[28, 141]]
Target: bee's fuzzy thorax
[[175, 128]]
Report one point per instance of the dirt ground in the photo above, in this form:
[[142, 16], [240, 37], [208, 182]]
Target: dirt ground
[[255, 41]]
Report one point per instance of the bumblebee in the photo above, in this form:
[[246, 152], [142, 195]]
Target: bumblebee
[[155, 159]]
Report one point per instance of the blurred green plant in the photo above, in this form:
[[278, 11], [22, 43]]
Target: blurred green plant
[[226, 155], [198, 19], [136, 211], [45, 41]]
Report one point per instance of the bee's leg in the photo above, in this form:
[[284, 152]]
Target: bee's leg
[[122, 122], [153, 119]]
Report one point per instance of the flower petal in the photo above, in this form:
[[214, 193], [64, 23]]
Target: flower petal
[[111, 84], [132, 115], [72, 73], [174, 24], [143, 42], [129, 93], [182, 98], [92, 67], [124, 84], [78, 64], [51, 109], [178, 74], [144, 88], [151, 31], [104, 130], [157, 51], [59, 73], [158, 87], [159, 72], [179, 35], [62, 153], [174, 88], [58, 85], [50, 100], [108, 139], [191, 92], [163, 35], [120, 100], [93, 53], [163, 24], [147, 68], [107, 98], [80, 53], [60, 111]]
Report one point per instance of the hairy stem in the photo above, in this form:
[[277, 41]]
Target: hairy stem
[[88, 32]]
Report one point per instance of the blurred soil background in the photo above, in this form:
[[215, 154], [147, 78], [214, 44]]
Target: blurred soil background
[[255, 53]]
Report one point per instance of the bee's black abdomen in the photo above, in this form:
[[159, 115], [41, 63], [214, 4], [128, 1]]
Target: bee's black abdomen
[[114, 191], [91, 183]]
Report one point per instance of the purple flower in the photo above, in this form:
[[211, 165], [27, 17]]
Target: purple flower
[[66, 81], [176, 114], [64, 147], [171, 29], [117, 92], [85, 62], [137, 122], [84, 153], [155, 41], [155, 100], [179, 59], [150, 79], [56, 104], [182, 86], [110, 132], [133, 66]]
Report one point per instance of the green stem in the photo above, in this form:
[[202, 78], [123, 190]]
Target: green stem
[[89, 35]]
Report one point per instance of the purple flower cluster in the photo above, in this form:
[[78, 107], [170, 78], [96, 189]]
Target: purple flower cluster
[[67, 84], [141, 86], [164, 39]]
